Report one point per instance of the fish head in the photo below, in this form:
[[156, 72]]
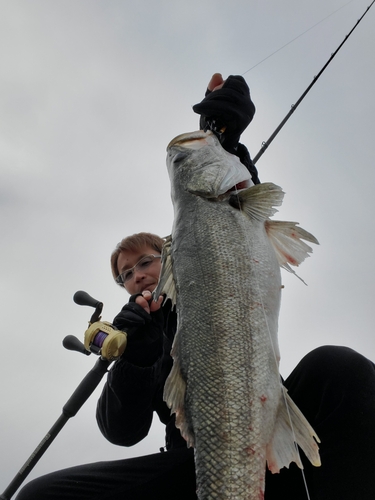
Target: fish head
[[198, 163]]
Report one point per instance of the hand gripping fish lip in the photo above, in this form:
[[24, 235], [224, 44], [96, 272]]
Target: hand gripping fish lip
[[216, 178]]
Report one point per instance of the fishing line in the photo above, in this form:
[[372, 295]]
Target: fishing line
[[274, 353], [298, 36], [315, 79]]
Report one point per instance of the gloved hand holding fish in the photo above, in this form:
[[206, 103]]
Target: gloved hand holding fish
[[221, 268]]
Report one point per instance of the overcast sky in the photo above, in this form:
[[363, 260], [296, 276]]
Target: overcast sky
[[91, 93]]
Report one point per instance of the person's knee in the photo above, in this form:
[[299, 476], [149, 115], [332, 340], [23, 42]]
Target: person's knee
[[29, 492], [338, 362], [329, 370]]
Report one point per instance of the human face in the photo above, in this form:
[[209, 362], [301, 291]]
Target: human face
[[142, 280]]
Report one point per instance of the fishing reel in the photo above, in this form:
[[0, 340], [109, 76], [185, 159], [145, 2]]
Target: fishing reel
[[101, 337]]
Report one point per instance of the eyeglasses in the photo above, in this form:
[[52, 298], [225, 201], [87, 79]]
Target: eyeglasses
[[141, 265]]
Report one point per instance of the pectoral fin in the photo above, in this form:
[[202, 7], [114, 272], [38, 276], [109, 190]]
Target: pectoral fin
[[291, 428], [166, 283], [258, 201]]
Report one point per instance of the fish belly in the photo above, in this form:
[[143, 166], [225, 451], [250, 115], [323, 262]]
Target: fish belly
[[229, 286]]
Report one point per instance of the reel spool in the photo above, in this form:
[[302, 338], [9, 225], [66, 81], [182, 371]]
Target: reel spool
[[103, 339]]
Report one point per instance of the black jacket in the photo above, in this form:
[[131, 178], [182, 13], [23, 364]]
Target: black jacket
[[134, 387]]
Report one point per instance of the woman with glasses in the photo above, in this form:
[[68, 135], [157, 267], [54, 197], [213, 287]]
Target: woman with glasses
[[131, 395]]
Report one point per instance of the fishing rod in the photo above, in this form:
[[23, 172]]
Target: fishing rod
[[101, 338], [315, 79]]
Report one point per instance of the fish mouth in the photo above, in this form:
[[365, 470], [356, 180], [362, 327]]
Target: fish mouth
[[234, 177], [192, 140]]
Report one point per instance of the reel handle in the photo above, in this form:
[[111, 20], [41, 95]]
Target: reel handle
[[84, 299], [71, 343]]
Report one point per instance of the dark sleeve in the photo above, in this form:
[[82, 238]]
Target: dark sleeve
[[244, 156], [134, 384], [125, 407]]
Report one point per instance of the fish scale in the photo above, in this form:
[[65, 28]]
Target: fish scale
[[223, 337], [224, 385]]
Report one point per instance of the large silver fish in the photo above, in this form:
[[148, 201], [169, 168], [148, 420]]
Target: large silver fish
[[221, 267]]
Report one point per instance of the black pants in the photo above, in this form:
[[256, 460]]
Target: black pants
[[169, 475], [335, 389]]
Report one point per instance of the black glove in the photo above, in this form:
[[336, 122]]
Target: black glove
[[132, 316], [230, 107], [145, 333]]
